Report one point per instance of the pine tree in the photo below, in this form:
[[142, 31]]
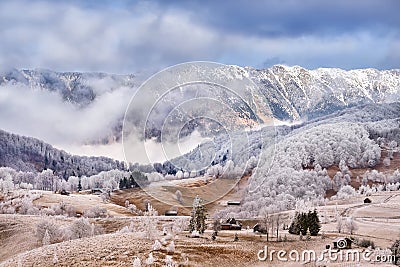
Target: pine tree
[[294, 227], [304, 222], [79, 185], [214, 235], [314, 223], [198, 216]]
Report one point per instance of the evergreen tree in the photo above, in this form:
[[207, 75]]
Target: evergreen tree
[[294, 227], [198, 216], [79, 185], [124, 183], [304, 222], [314, 223]]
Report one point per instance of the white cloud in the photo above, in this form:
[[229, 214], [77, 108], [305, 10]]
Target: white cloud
[[44, 115], [64, 36]]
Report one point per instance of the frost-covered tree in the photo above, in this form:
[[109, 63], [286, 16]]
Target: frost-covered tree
[[169, 262], [55, 258], [230, 171], [136, 262], [150, 259], [147, 225], [346, 192], [178, 195], [81, 228], [386, 162], [215, 171], [47, 232], [198, 216], [171, 247], [46, 180], [351, 225], [95, 212], [46, 238], [156, 245], [339, 223], [6, 183]]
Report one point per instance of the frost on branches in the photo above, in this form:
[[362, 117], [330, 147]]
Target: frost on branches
[[198, 216]]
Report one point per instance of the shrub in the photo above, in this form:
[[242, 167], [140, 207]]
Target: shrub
[[365, 243], [124, 230], [157, 245], [171, 247], [51, 229], [132, 208], [395, 248], [81, 228], [95, 212]]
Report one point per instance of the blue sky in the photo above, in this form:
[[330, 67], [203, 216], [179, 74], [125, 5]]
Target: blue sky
[[133, 36]]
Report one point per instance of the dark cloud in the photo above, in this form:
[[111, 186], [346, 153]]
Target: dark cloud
[[128, 36], [294, 18]]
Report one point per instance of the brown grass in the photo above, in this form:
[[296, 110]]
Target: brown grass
[[163, 198]]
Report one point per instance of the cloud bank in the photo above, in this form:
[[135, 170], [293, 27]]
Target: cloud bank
[[45, 115]]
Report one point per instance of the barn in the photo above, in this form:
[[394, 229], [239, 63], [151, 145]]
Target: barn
[[231, 224]]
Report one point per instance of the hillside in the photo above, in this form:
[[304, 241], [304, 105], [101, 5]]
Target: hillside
[[291, 93], [30, 154]]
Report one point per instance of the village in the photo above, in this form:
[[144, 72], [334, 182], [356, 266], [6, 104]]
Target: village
[[358, 230]]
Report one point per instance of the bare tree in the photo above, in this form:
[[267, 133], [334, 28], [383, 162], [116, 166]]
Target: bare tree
[[266, 224], [277, 224], [351, 225], [178, 195], [339, 223], [46, 238]]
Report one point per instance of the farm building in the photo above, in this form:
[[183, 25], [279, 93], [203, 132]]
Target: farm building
[[231, 224], [367, 201], [171, 213], [342, 243]]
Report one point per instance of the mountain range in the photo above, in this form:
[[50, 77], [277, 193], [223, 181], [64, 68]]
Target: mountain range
[[292, 94]]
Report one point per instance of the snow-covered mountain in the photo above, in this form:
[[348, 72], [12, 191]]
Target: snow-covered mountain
[[292, 93], [75, 87], [295, 92]]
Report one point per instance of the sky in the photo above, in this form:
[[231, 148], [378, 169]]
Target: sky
[[132, 36]]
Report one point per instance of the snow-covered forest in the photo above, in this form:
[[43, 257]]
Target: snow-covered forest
[[351, 138], [32, 155]]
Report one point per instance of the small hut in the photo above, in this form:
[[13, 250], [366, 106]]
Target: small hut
[[342, 243], [233, 203], [231, 224], [171, 213], [367, 201]]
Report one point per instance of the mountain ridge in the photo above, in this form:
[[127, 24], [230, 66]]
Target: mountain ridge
[[293, 91]]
